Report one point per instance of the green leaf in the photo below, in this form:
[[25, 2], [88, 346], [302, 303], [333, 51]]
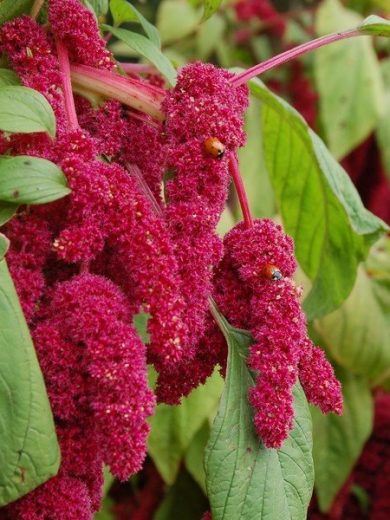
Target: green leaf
[[195, 455], [319, 205], [140, 322], [357, 334], [383, 129], [147, 49], [173, 427], [4, 245], [375, 25], [30, 180], [175, 20], [244, 479], [7, 211], [184, 501], [29, 452], [339, 440], [122, 11], [24, 110], [350, 104], [8, 78], [98, 7], [210, 7], [10, 9], [252, 165], [209, 36]]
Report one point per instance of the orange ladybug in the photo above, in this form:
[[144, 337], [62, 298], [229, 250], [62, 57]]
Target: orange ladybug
[[271, 272], [214, 147]]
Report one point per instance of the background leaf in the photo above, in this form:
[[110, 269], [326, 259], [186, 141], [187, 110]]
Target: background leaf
[[184, 501], [10, 9], [210, 7], [358, 334], [173, 427], [123, 11], [146, 48], [319, 205], [195, 456], [24, 110], [30, 180], [339, 440], [350, 103], [29, 452], [244, 479], [175, 20]]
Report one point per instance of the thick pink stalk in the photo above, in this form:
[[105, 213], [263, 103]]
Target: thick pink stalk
[[133, 93], [289, 55], [70, 108], [240, 189], [138, 68]]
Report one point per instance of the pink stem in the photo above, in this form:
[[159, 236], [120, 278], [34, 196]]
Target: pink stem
[[240, 189], [70, 108], [131, 92], [289, 55], [138, 68]]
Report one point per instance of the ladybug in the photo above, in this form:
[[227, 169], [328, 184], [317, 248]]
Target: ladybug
[[214, 147], [271, 272]]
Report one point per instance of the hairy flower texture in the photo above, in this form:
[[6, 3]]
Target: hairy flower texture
[[140, 239], [32, 57], [142, 145], [76, 26], [318, 380], [84, 231], [210, 351], [92, 312], [204, 104], [30, 245], [105, 124], [60, 498], [278, 326]]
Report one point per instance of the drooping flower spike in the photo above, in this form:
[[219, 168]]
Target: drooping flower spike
[[281, 352]]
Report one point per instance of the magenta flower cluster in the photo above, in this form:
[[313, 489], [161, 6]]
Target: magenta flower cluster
[[137, 234]]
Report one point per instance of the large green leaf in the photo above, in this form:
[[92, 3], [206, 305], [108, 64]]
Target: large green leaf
[[245, 480], [338, 440], [10, 9], [350, 103], [358, 334], [147, 49], [319, 205], [173, 427], [29, 452], [252, 165], [122, 11], [24, 110], [30, 180], [8, 78]]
